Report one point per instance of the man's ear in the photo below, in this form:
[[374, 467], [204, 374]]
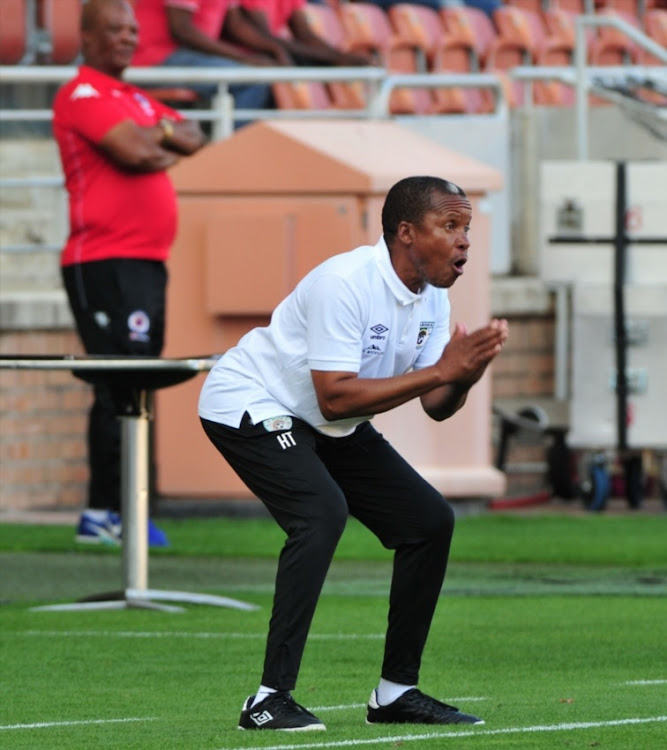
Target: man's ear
[[405, 232]]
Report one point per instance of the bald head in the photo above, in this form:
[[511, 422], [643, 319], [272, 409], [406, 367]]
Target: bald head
[[109, 35], [91, 10]]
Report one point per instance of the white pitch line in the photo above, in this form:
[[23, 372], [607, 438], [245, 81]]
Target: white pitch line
[[47, 724], [470, 733], [646, 682], [175, 634]]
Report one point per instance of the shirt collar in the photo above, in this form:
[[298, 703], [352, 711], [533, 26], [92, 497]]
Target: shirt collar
[[97, 78], [403, 295]]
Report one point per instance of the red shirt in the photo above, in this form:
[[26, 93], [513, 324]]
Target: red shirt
[[277, 12], [114, 213], [155, 40]]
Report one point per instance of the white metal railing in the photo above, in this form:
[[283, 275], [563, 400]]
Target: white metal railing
[[583, 81], [378, 82], [379, 107], [379, 85]]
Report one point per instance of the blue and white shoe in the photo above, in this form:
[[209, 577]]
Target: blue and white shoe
[[156, 537], [105, 527], [99, 527]]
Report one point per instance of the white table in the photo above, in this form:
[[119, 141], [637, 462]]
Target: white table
[[141, 376]]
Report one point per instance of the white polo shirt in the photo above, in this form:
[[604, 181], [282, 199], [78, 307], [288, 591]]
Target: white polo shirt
[[351, 313]]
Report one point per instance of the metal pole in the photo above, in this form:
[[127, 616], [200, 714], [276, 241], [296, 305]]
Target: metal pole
[[134, 485], [581, 108], [223, 105], [620, 246], [562, 342]]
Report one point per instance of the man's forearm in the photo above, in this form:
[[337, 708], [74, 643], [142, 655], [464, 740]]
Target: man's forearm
[[244, 29], [442, 403], [183, 137]]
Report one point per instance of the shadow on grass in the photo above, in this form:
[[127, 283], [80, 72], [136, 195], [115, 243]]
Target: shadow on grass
[[54, 576]]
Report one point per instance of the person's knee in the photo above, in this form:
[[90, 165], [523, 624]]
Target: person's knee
[[330, 524], [324, 528], [439, 520]]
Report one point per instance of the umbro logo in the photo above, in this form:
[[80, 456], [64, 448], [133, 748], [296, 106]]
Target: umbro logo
[[261, 718], [378, 331]]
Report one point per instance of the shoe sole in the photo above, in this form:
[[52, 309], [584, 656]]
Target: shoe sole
[[98, 539], [425, 724], [309, 728]]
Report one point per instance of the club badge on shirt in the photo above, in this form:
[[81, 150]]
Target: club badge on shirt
[[425, 328], [144, 103], [139, 325]]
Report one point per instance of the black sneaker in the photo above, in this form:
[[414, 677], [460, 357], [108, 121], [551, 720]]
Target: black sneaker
[[278, 711], [413, 707]]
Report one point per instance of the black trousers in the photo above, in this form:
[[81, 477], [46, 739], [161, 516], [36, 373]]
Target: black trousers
[[310, 483], [119, 307]]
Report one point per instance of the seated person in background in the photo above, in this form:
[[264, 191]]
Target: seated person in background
[[271, 18], [433, 4], [187, 33], [487, 6]]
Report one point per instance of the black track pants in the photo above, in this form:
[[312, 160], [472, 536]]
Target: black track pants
[[119, 307], [310, 483]]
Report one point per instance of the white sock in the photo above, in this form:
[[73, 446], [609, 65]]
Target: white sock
[[262, 693], [387, 692]]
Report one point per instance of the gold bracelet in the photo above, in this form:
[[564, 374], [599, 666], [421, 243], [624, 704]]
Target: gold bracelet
[[167, 129]]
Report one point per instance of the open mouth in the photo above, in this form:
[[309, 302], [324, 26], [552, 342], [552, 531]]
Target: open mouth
[[458, 265]]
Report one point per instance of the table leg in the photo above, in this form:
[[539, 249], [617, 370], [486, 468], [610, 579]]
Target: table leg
[[134, 493]]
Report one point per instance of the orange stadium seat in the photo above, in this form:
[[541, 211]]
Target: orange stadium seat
[[561, 22], [611, 46], [422, 26], [326, 23], [571, 6], [301, 95], [553, 93], [367, 27], [533, 5], [473, 26], [13, 32], [496, 52], [60, 19], [545, 49], [524, 26], [655, 27], [631, 7], [442, 52]]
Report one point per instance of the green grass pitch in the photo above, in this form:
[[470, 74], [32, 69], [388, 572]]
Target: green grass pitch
[[552, 628]]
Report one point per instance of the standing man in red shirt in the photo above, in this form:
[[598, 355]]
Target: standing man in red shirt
[[116, 144]]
